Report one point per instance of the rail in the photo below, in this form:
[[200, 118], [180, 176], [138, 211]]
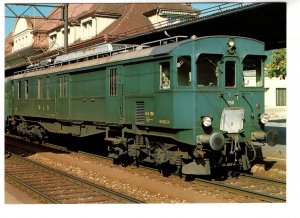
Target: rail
[[268, 197], [54, 186]]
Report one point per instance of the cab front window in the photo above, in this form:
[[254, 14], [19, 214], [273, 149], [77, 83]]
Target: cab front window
[[165, 81], [207, 69], [252, 71], [184, 71]]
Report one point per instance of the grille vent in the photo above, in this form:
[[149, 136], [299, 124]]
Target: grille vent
[[140, 112]]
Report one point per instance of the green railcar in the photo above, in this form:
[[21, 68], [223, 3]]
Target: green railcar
[[195, 104]]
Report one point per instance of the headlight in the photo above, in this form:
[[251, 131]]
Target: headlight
[[206, 121], [231, 46], [264, 118], [231, 42]]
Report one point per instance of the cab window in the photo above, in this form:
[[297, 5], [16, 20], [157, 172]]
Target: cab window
[[230, 72], [164, 75], [207, 69], [184, 74], [252, 71]]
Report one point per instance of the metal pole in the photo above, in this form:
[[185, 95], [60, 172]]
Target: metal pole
[[66, 28]]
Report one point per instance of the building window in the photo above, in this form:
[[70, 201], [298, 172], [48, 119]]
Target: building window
[[280, 96], [171, 20], [40, 88], [26, 89], [53, 40], [164, 75], [113, 82], [184, 74], [87, 29]]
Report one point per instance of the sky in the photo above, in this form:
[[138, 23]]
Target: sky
[[9, 22]]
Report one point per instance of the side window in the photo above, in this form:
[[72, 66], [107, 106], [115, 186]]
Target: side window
[[26, 88], [164, 75], [113, 82], [207, 69], [19, 89], [184, 71], [40, 88], [230, 69], [47, 88], [252, 71], [63, 87]]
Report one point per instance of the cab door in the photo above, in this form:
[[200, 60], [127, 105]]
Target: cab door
[[115, 96], [63, 97], [231, 82], [232, 118]]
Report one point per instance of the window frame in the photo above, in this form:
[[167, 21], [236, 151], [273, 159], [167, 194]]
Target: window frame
[[258, 83], [26, 89], [19, 89], [63, 87], [199, 71], [165, 78], [227, 78], [189, 76], [280, 97], [113, 75], [40, 88]]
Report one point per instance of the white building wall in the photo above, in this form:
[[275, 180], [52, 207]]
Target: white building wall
[[102, 23], [22, 35], [275, 112], [89, 27], [156, 18]]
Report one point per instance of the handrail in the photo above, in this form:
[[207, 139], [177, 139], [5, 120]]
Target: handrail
[[103, 54]]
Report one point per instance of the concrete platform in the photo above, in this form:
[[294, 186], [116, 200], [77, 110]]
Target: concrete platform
[[15, 196], [273, 159]]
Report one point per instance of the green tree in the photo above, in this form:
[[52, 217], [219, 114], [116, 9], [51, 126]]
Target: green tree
[[277, 65]]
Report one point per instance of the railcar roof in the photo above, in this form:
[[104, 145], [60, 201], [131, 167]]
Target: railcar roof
[[151, 51]]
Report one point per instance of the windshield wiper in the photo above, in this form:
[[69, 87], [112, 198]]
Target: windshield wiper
[[210, 61]]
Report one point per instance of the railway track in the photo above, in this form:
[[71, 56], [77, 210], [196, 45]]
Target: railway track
[[53, 186], [261, 190], [264, 189]]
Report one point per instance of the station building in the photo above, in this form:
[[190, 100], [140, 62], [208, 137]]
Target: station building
[[88, 24]]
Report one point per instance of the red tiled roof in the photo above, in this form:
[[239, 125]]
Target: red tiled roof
[[134, 18], [130, 16], [8, 45]]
